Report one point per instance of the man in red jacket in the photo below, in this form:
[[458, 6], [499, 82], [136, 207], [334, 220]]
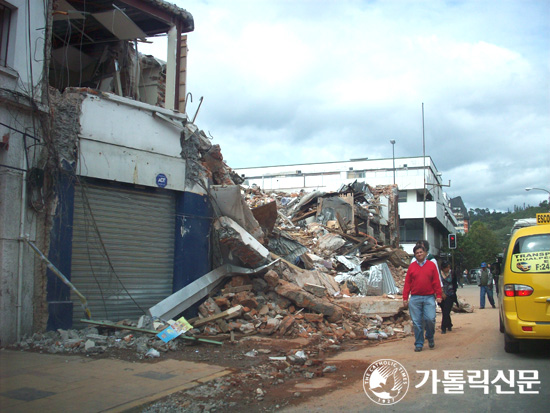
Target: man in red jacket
[[423, 285]]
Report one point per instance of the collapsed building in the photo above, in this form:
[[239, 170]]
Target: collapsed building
[[120, 206], [92, 174]]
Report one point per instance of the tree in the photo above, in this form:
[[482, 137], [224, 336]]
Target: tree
[[479, 245]]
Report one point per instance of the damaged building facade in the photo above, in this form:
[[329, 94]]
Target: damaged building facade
[[115, 205], [100, 169], [399, 206]]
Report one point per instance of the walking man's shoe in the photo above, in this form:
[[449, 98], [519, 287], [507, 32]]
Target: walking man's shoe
[[417, 349], [432, 345]]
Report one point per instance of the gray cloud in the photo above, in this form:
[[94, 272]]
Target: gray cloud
[[317, 81]]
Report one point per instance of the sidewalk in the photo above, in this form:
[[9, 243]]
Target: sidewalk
[[32, 382]]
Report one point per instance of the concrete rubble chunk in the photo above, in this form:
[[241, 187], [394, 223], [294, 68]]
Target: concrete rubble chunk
[[272, 278], [145, 322], [306, 300], [330, 242], [239, 243], [316, 290]]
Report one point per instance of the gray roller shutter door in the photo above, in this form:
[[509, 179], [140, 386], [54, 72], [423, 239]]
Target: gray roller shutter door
[[123, 250]]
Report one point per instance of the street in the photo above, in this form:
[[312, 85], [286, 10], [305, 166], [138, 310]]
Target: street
[[474, 344]]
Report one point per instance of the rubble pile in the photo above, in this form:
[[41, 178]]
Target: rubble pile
[[277, 305], [90, 341]]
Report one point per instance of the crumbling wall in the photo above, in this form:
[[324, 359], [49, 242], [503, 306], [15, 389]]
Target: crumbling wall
[[57, 161], [204, 160]]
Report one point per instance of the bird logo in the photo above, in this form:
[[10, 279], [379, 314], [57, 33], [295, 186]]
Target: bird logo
[[386, 382]]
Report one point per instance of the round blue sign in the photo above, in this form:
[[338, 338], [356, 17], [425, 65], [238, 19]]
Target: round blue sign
[[162, 180]]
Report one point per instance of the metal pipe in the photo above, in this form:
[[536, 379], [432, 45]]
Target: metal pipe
[[60, 275], [197, 112], [23, 213]]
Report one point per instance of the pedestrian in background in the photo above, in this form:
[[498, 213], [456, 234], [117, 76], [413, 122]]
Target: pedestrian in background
[[485, 283], [465, 277], [448, 295], [458, 276], [496, 274], [424, 286]]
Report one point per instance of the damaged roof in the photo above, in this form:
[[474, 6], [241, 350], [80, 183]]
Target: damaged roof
[[78, 22]]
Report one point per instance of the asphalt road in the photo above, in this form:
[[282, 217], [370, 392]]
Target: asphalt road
[[474, 345]]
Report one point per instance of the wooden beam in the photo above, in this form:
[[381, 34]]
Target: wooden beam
[[232, 312]]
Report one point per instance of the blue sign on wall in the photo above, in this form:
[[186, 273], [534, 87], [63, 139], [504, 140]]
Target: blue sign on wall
[[162, 180]]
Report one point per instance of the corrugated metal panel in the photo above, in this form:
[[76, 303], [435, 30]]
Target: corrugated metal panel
[[123, 250]]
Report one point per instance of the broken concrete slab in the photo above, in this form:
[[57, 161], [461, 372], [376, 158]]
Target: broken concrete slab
[[317, 278], [239, 243], [306, 300], [371, 306]]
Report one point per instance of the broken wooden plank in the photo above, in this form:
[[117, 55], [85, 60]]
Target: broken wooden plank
[[341, 222], [230, 313], [304, 215], [291, 265]]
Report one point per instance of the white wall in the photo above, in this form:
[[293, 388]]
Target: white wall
[[26, 45], [25, 51], [130, 144]]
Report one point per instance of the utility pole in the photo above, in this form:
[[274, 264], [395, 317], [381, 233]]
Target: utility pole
[[424, 228]]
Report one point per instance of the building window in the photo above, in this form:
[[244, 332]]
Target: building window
[[411, 230], [402, 196], [356, 174], [420, 193], [5, 18]]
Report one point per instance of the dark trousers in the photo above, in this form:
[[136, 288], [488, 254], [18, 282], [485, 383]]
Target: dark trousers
[[446, 307], [483, 289]]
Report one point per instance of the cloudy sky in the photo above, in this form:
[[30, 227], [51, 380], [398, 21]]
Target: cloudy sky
[[288, 82]]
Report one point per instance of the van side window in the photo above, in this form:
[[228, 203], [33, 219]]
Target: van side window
[[533, 243]]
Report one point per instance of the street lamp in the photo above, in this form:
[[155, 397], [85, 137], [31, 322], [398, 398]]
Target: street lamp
[[540, 189], [392, 141]]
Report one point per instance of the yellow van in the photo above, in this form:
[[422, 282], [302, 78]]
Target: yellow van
[[524, 285]]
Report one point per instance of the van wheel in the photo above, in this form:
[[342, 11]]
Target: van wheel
[[510, 345], [501, 325]]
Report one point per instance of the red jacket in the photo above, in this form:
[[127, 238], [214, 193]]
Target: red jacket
[[422, 280]]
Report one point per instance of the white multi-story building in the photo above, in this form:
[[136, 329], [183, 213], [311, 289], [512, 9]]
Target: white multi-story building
[[412, 175]]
